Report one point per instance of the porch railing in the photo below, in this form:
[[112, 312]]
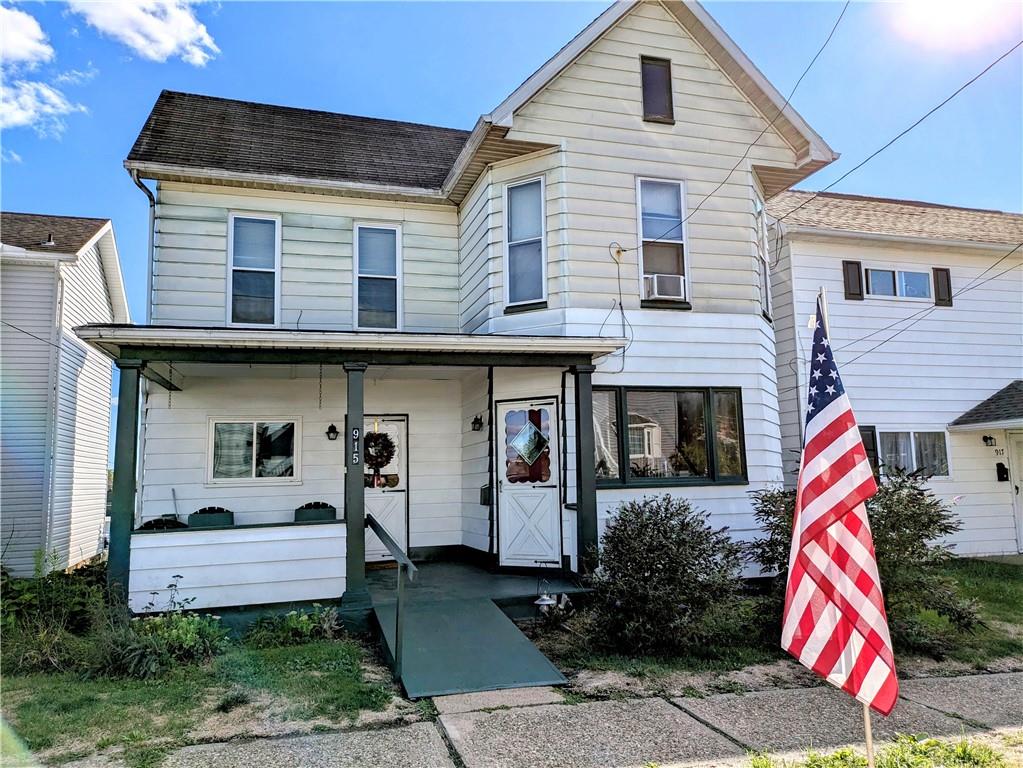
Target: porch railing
[[406, 571]]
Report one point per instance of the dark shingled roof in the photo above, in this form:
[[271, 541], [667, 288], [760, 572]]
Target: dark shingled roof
[[30, 230], [1006, 403], [194, 131]]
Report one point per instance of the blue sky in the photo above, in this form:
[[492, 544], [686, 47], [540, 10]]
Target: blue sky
[[96, 70]]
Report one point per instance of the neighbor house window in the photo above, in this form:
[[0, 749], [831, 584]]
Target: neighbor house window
[[668, 436], [243, 449], [378, 277], [926, 452], [662, 248], [525, 265], [763, 253], [899, 283], [254, 251], [656, 77]]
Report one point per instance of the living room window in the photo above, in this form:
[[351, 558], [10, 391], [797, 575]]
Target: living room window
[[251, 450], [525, 262], [657, 99], [378, 277], [662, 240], [667, 436], [254, 258], [911, 451]]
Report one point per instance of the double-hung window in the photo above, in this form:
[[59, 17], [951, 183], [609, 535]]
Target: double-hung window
[[662, 239], [525, 261], [254, 258], [650, 437], [251, 450], [912, 451], [378, 277], [763, 253], [903, 284]]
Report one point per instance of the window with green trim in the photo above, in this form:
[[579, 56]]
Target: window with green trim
[[668, 436]]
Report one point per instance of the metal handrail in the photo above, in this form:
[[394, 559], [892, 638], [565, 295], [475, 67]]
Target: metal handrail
[[406, 570]]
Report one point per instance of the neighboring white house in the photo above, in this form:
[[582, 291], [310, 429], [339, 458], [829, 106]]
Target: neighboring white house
[[56, 273], [479, 275], [926, 319]]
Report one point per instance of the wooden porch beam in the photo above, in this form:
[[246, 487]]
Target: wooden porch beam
[[122, 508], [158, 378]]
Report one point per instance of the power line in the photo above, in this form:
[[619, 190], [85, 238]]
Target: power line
[[29, 333], [768, 127]]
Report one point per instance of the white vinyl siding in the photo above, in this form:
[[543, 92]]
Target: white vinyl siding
[[934, 367], [27, 302], [316, 290]]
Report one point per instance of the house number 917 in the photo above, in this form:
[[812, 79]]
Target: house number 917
[[356, 434]]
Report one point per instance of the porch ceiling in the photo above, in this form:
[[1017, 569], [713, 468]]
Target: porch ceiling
[[150, 343]]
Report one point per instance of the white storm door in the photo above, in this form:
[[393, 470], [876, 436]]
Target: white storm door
[[529, 509], [1015, 441], [387, 485]]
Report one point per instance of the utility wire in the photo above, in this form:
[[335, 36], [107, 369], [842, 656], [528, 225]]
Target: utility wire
[[29, 333]]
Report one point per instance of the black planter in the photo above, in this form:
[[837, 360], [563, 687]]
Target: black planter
[[314, 514], [221, 519]]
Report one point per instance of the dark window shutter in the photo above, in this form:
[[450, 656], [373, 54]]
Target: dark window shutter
[[942, 287], [852, 274], [869, 437]]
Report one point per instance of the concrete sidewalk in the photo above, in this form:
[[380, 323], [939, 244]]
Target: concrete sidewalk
[[543, 728]]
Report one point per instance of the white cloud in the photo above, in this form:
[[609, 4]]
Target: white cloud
[[76, 76], [28, 103], [155, 29], [10, 156], [22, 40]]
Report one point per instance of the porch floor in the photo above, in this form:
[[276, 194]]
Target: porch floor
[[457, 638]]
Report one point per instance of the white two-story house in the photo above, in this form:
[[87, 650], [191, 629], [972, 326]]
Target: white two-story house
[[483, 341], [925, 305]]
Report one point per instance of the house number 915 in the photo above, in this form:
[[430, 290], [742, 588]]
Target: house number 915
[[356, 434]]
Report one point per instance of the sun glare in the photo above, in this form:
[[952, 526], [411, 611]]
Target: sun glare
[[956, 25]]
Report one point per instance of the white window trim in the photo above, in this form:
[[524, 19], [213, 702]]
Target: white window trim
[[399, 277], [684, 239], [878, 431], [763, 248], [262, 216], [897, 297], [506, 229], [296, 478]]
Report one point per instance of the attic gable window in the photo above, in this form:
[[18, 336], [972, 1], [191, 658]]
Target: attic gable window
[[657, 101], [254, 259]]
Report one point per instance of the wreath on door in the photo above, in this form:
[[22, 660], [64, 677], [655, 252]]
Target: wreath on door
[[378, 450]]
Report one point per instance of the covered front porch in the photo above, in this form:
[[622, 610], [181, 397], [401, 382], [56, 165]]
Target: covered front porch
[[480, 439]]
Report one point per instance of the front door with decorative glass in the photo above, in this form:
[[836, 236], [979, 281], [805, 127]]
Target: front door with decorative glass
[[385, 473], [529, 512]]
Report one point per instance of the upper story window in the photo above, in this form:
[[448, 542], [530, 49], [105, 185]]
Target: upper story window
[[657, 101], [525, 264], [662, 240], [900, 283], [254, 259], [378, 277], [763, 253]]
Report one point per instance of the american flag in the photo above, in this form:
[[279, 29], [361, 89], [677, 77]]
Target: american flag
[[835, 621]]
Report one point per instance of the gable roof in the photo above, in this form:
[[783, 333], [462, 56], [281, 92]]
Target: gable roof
[[30, 230], [1005, 405], [22, 236], [186, 130], [896, 218]]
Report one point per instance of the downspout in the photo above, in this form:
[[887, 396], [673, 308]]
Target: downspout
[[144, 399]]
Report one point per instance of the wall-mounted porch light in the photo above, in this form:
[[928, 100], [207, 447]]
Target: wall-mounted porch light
[[477, 422], [332, 433], [989, 440]]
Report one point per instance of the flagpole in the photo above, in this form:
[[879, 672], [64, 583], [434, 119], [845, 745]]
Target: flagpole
[[824, 306], [870, 736]]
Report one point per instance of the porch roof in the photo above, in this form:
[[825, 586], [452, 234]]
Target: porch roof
[[160, 343]]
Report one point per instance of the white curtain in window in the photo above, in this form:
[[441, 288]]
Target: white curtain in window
[[378, 252], [254, 243], [896, 450], [232, 450], [931, 456]]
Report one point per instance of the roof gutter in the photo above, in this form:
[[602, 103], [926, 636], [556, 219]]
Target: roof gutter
[[133, 172], [1010, 423]]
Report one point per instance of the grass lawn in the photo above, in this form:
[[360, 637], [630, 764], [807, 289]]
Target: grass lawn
[[998, 587], [68, 717], [905, 752]]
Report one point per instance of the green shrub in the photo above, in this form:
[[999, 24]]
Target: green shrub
[[907, 522], [295, 627], [52, 597], [667, 580]]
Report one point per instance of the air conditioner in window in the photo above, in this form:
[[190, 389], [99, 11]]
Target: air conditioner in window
[[664, 287]]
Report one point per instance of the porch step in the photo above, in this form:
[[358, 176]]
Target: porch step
[[462, 646]]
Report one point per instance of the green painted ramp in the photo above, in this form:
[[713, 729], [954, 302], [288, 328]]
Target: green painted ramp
[[459, 646]]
